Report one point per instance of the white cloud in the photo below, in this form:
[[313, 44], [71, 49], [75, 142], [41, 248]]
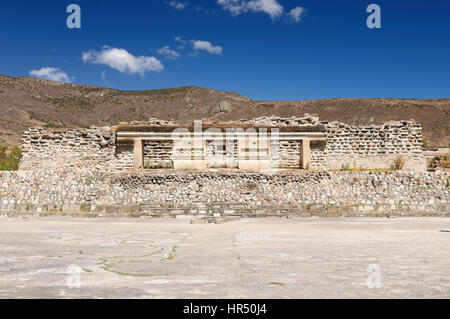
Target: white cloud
[[296, 14], [182, 43], [206, 46], [123, 61], [168, 53], [180, 39], [271, 7], [49, 73], [237, 7], [177, 4]]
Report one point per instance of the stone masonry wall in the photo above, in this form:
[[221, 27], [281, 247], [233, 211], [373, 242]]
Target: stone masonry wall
[[124, 158], [290, 154], [374, 147], [362, 147], [158, 154], [318, 161], [45, 148], [89, 193]]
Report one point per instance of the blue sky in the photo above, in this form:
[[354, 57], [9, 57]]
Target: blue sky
[[259, 48]]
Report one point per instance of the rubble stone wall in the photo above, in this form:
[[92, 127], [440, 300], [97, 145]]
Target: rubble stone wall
[[290, 154], [158, 154], [46, 148], [318, 161], [123, 158], [156, 193], [375, 146]]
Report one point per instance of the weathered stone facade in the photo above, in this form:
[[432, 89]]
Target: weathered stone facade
[[49, 148], [259, 144], [88, 193], [158, 154], [375, 146], [139, 170], [290, 154]]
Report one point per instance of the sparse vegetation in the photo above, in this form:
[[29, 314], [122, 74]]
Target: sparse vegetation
[[88, 180], [9, 159], [431, 164], [156, 93], [85, 208], [276, 284], [346, 168], [445, 159], [81, 103], [53, 125], [399, 163], [107, 267], [266, 105], [54, 210]]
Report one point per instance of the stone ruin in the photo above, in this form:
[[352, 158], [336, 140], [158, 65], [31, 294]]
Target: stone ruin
[[267, 143]]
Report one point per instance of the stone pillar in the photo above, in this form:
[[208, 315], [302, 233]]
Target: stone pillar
[[306, 153], [138, 154]]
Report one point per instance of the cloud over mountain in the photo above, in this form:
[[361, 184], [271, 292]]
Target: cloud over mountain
[[123, 61], [49, 73]]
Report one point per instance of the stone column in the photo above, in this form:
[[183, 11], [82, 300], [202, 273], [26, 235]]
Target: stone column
[[138, 154], [306, 153]]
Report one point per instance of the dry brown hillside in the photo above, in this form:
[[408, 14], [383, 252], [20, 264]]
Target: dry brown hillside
[[26, 102]]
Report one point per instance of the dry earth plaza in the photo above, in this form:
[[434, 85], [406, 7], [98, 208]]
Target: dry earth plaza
[[249, 258]]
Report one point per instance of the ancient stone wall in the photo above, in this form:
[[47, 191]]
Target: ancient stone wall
[[123, 158], [318, 160], [373, 147], [98, 193], [346, 147], [290, 154], [158, 154], [46, 148]]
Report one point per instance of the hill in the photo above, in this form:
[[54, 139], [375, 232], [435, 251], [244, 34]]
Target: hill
[[26, 102]]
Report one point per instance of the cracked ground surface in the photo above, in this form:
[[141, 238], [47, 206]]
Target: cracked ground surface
[[250, 258]]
